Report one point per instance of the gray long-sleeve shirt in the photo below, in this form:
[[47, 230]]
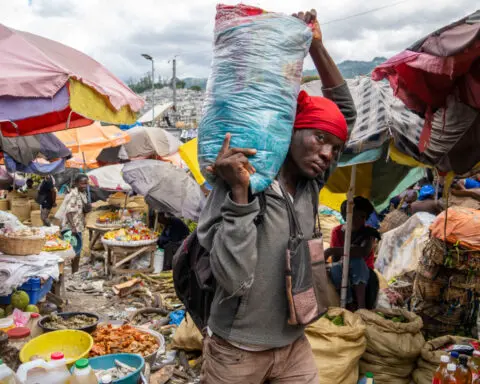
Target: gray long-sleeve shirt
[[248, 260]]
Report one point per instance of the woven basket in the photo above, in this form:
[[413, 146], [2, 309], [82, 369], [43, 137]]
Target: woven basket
[[428, 289], [403, 288], [34, 206], [393, 220], [117, 201], [21, 246], [21, 208], [4, 205], [35, 219], [434, 250]]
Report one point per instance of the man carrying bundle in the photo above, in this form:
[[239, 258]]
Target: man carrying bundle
[[249, 338]]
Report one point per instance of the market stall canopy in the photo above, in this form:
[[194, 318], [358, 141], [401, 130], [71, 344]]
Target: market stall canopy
[[24, 150], [437, 74], [144, 142], [7, 178], [160, 109], [94, 137], [38, 167], [46, 86], [378, 111], [109, 177], [166, 188]]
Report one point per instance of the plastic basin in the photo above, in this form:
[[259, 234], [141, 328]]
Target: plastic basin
[[108, 361], [73, 344]]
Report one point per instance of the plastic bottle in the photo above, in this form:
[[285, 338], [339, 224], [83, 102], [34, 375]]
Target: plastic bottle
[[450, 376], [59, 369], [463, 373], [454, 357], [7, 376], [367, 379], [441, 371], [83, 373], [475, 365], [35, 330]]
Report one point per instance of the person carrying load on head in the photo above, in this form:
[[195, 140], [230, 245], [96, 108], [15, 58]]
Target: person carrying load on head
[[252, 336]]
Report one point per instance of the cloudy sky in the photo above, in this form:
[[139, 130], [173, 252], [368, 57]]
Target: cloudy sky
[[116, 32]]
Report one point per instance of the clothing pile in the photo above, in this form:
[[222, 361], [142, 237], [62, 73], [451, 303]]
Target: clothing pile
[[447, 285]]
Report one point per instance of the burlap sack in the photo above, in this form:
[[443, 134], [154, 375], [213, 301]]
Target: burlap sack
[[187, 336], [382, 374], [337, 349], [392, 348], [389, 339], [429, 359]]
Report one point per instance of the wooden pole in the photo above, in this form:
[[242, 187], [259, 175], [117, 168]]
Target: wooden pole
[[348, 238]]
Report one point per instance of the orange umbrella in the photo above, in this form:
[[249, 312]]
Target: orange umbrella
[[93, 137], [85, 159]]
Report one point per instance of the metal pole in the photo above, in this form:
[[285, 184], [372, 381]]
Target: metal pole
[[153, 92], [348, 237], [174, 84]]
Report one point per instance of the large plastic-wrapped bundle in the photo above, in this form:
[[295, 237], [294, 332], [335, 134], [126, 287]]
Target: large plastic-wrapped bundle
[[253, 87]]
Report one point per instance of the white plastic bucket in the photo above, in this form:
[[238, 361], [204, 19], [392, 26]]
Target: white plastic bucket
[[158, 260]]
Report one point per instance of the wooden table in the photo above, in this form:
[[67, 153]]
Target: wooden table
[[95, 234], [118, 255]]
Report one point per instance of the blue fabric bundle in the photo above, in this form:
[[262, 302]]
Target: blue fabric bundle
[[252, 91]]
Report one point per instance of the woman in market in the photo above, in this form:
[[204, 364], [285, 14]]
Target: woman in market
[[76, 206], [362, 256]]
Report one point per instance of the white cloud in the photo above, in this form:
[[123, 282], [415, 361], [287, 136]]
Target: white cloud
[[116, 32]]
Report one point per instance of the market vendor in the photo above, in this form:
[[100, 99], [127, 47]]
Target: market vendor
[[469, 187], [362, 256], [426, 202], [249, 338], [46, 198], [75, 207]]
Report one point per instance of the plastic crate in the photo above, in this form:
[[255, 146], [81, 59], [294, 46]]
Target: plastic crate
[[36, 291]]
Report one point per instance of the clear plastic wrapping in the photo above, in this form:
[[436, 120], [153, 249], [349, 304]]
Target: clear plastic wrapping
[[253, 87]]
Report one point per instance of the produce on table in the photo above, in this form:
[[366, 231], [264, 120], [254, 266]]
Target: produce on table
[[73, 322], [336, 320], [124, 339], [55, 243], [112, 217], [9, 309], [138, 233], [32, 308], [20, 299], [2, 313]]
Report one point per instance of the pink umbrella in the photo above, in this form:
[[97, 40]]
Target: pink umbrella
[[46, 86]]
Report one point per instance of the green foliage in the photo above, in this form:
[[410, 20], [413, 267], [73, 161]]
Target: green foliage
[[307, 79]]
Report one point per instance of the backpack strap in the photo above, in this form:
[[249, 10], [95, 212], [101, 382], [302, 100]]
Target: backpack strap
[[262, 199]]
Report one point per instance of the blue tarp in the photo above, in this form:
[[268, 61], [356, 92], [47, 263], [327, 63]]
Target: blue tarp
[[35, 167]]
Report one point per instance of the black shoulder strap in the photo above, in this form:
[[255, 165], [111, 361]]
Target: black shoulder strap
[[262, 199]]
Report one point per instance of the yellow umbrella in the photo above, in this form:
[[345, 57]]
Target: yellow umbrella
[[188, 152], [94, 137]]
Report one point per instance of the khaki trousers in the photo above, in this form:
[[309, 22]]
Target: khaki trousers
[[226, 364]]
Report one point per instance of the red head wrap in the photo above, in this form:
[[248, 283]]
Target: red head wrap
[[315, 112]]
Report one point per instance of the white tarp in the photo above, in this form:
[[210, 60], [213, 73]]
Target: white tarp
[[401, 248], [109, 177]]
